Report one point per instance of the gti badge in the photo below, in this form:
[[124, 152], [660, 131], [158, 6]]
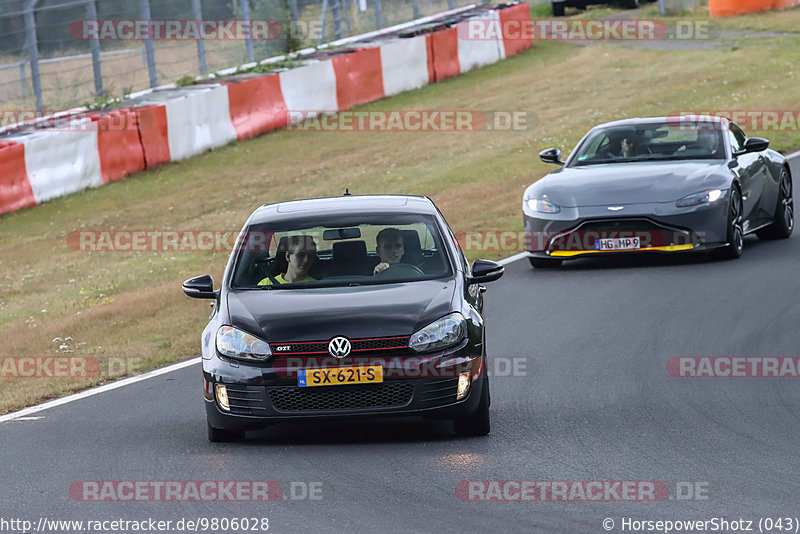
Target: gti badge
[[615, 208], [339, 347]]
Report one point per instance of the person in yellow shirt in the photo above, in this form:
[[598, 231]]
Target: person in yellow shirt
[[301, 253]]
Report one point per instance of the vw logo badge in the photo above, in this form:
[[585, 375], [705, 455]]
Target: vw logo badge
[[615, 208], [339, 347]]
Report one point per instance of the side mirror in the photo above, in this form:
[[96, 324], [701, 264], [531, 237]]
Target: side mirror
[[485, 271], [551, 155], [200, 287], [755, 144]]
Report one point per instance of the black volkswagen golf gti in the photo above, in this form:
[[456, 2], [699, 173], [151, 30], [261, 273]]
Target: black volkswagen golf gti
[[343, 307]]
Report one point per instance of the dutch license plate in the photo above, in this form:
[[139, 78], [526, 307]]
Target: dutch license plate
[[621, 243], [340, 376]]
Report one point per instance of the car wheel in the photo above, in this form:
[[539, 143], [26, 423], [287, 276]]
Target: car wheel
[[558, 9], [783, 223], [735, 231], [477, 424], [544, 263], [218, 435]]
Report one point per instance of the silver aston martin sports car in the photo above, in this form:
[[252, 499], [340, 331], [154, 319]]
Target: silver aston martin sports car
[[665, 185]]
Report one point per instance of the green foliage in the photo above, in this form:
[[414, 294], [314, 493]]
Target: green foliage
[[542, 11], [106, 101], [185, 81], [271, 67]]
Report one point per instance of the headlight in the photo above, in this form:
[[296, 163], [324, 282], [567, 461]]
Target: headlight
[[446, 332], [704, 197], [542, 206], [237, 344]]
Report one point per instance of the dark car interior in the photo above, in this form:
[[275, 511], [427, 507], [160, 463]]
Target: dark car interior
[[655, 143], [348, 259]]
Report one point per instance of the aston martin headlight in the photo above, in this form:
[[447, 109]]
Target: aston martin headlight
[[440, 334], [542, 206], [704, 197], [234, 343]]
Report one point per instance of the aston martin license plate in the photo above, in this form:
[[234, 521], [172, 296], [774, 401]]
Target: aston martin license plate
[[340, 376], [621, 243]]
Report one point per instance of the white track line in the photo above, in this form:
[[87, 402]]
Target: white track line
[[96, 391], [512, 259]]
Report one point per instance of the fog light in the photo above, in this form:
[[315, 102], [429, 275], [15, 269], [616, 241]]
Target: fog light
[[222, 397], [463, 385]]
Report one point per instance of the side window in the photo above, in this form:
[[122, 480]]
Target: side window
[[737, 137]]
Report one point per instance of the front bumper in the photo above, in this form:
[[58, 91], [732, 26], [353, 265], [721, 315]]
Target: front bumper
[[421, 386], [662, 228]]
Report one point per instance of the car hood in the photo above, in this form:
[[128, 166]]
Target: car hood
[[629, 183], [291, 315]]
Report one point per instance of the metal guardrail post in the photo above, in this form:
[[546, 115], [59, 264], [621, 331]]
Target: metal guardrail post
[[197, 10], [337, 19], [248, 40], [322, 21], [450, 4], [293, 11], [148, 44], [33, 52], [378, 17], [94, 46], [23, 85], [415, 8]]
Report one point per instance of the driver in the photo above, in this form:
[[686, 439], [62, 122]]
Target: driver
[[301, 252], [390, 248]]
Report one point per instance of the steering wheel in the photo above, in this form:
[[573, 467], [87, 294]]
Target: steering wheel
[[400, 270]]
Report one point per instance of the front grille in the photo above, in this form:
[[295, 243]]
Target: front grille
[[379, 343], [297, 399], [650, 234], [356, 345], [246, 400]]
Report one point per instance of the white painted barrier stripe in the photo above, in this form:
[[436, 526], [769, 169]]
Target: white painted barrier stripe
[[96, 391], [62, 162], [474, 53]]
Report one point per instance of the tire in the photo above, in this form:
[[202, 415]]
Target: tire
[[218, 435], [544, 263], [783, 222], [735, 236], [558, 9], [479, 423]]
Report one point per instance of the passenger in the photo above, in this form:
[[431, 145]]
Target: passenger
[[632, 147], [301, 253], [707, 144], [390, 248], [708, 141]]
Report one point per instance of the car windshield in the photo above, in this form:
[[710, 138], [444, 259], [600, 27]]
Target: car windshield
[[660, 141], [340, 251]]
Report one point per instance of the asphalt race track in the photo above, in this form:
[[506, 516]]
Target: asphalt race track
[[596, 403]]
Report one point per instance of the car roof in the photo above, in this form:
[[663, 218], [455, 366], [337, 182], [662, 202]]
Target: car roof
[[344, 205], [670, 118]]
